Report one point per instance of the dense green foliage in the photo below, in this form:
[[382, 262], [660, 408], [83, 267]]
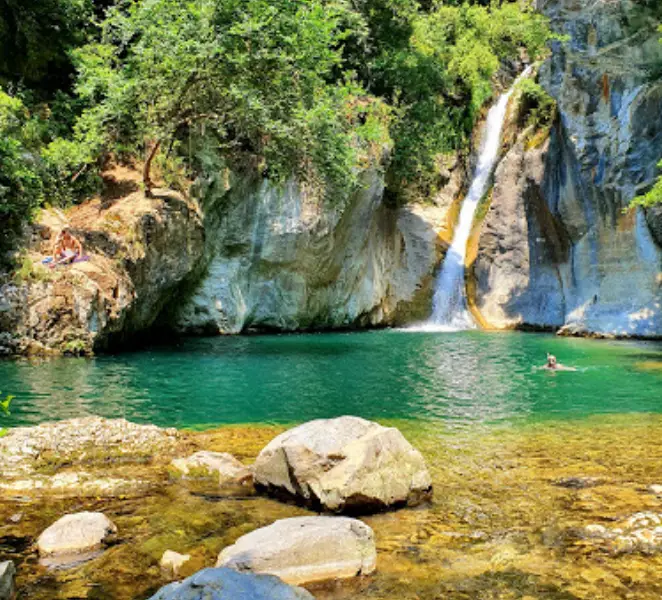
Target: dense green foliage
[[318, 89], [21, 187], [300, 87], [538, 105], [36, 37], [653, 196], [264, 77]]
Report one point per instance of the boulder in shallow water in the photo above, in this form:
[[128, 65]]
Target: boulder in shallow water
[[305, 550], [75, 534], [346, 464], [7, 574], [226, 466], [226, 584]]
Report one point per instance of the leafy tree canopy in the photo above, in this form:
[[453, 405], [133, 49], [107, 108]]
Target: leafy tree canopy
[[266, 77], [318, 89], [301, 87]]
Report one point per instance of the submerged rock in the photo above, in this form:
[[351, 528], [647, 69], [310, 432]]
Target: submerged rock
[[578, 483], [69, 439], [172, 562], [78, 483], [221, 464], [226, 584], [641, 532], [75, 534], [305, 550], [7, 574], [344, 464]]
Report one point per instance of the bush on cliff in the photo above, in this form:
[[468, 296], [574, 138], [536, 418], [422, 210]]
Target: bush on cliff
[[653, 197]]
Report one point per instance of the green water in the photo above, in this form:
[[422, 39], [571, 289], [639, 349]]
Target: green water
[[458, 378]]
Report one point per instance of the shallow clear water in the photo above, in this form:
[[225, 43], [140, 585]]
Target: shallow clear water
[[461, 378]]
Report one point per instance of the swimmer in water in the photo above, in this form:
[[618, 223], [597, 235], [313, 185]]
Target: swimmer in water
[[554, 365]]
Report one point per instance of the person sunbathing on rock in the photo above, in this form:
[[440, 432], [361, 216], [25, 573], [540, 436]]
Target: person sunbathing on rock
[[66, 248], [554, 365]]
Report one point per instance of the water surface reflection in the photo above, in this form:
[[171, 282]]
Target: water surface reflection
[[458, 379]]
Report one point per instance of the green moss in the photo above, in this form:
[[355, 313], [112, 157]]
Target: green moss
[[76, 348]]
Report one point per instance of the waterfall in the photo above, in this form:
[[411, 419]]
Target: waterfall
[[449, 305]]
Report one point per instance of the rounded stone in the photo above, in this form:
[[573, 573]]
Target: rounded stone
[[228, 469], [172, 562], [304, 550], [226, 584], [75, 534], [7, 574]]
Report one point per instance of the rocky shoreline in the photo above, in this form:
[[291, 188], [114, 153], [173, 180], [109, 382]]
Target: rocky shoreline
[[95, 504], [341, 465]]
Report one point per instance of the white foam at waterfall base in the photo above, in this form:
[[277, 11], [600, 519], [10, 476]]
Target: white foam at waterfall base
[[449, 304]]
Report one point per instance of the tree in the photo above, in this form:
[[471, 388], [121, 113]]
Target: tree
[[436, 67], [266, 77], [21, 187]]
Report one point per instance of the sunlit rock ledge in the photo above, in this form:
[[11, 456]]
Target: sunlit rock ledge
[[250, 256], [284, 259]]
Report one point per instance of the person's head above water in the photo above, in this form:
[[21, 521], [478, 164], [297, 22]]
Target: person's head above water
[[551, 361]]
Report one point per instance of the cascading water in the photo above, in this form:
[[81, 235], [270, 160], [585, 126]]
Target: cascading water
[[449, 305]]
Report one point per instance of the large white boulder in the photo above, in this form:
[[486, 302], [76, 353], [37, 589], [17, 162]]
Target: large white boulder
[[75, 534], [344, 464], [305, 550], [228, 469]]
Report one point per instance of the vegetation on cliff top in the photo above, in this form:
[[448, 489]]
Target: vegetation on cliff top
[[654, 196], [315, 88]]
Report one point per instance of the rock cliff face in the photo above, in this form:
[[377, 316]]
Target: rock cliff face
[[257, 257], [284, 260], [556, 248], [140, 252]]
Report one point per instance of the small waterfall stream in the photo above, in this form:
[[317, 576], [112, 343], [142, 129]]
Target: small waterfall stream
[[449, 305]]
